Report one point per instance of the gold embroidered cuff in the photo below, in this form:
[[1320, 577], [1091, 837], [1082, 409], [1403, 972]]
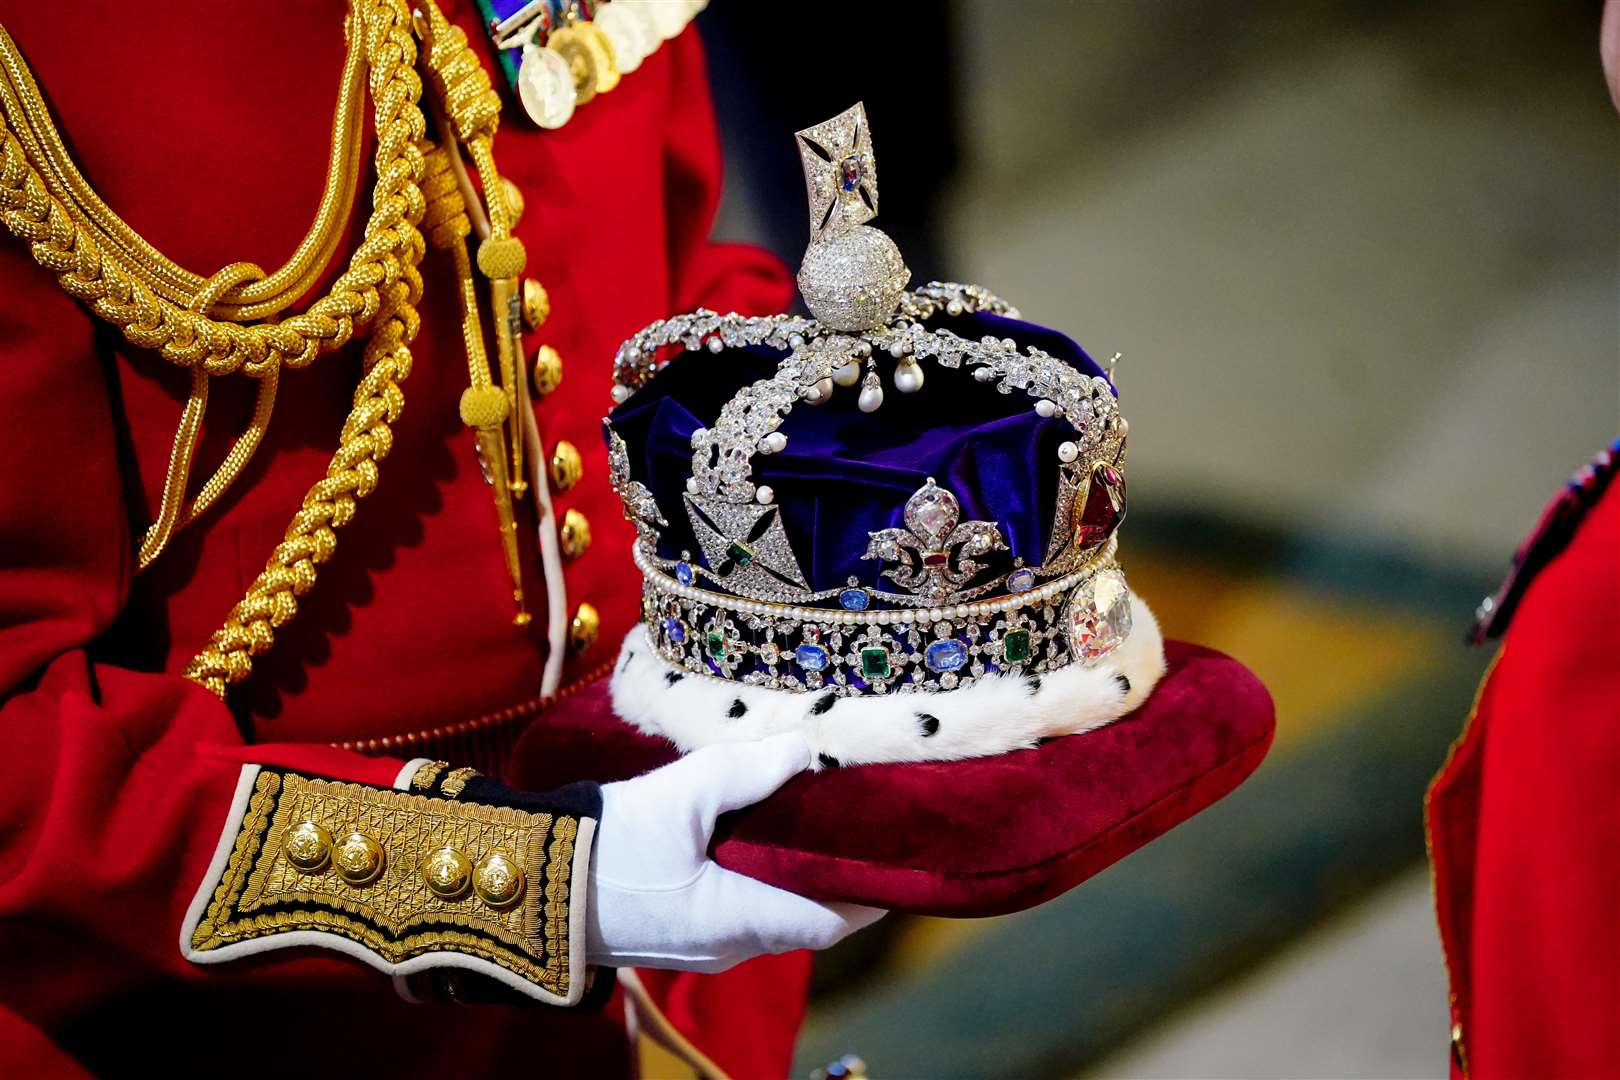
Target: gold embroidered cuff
[[404, 881]]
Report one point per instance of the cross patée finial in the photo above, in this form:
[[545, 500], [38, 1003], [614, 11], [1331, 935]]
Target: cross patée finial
[[840, 176]]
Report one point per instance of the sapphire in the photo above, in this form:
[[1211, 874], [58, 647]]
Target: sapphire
[[683, 573], [674, 630], [947, 655], [1021, 580], [854, 599], [811, 657]]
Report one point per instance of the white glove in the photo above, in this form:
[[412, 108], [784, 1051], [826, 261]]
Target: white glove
[[656, 898]]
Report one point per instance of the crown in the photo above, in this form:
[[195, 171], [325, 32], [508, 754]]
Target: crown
[[796, 537]]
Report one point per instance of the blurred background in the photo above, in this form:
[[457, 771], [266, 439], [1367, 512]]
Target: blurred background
[[1361, 260]]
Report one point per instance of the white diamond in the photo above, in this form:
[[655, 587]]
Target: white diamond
[[932, 513], [1099, 615]]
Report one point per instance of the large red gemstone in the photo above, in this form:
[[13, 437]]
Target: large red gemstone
[[1104, 509]]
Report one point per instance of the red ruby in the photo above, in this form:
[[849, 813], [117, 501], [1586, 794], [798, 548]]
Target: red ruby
[[936, 560], [1104, 509]]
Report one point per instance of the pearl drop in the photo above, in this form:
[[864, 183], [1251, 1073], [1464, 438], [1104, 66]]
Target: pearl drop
[[1046, 408], [774, 443], [764, 494], [871, 399], [908, 378], [621, 394], [716, 345], [847, 374], [824, 389], [1068, 451]]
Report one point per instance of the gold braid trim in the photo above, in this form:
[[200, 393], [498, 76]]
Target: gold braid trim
[[397, 916], [127, 283]]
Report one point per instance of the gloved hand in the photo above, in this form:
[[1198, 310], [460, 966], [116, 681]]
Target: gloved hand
[[658, 900]]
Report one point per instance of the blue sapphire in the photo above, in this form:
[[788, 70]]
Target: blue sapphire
[[811, 657], [854, 599], [1021, 580], [947, 655], [683, 573], [674, 630]]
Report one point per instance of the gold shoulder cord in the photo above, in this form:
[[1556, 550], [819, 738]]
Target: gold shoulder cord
[[227, 323]]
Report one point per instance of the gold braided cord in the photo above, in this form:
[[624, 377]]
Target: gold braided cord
[[190, 320], [394, 247], [250, 297]]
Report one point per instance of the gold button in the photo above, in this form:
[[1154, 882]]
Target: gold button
[[514, 198], [358, 859], [547, 370], [536, 303], [576, 534], [498, 880], [566, 465], [583, 629], [447, 872], [308, 847]]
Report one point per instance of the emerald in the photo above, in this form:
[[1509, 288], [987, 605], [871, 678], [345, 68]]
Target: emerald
[[875, 662], [717, 643], [1015, 646], [739, 553]]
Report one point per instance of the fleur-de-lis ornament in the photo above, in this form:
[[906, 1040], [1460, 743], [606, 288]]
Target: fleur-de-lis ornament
[[937, 551]]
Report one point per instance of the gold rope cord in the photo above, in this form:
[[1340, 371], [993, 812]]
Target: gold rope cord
[[86, 246]]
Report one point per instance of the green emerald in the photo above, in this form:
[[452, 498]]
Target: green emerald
[[1015, 646], [739, 553], [717, 643], [875, 662]]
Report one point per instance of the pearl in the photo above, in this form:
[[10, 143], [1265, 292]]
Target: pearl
[[824, 390], [983, 374], [1121, 426], [716, 346], [764, 494], [897, 350], [847, 374], [774, 443], [908, 378], [1067, 451], [692, 485], [796, 341], [871, 399], [1046, 408], [863, 349], [934, 615], [698, 436], [621, 394], [954, 307]]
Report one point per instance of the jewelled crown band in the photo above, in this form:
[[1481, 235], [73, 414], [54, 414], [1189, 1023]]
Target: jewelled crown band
[[946, 599]]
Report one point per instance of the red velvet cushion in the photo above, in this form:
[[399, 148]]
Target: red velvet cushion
[[966, 838]]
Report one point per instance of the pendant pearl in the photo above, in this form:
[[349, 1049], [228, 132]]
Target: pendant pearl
[[1044, 407], [824, 392], [908, 378], [774, 443], [871, 399], [848, 374]]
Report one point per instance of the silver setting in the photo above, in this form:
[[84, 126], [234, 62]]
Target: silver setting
[[934, 554]]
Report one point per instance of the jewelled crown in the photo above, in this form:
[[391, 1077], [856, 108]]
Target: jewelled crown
[[958, 530]]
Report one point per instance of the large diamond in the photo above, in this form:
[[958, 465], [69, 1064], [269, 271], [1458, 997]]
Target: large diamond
[[1099, 615], [1104, 509], [932, 513]]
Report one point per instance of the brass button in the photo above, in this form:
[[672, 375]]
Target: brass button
[[514, 198], [447, 873], [358, 859], [536, 303], [575, 535], [308, 847], [583, 629], [498, 880], [547, 370], [566, 465]]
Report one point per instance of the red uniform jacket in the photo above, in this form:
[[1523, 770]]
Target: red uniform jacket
[[1524, 820], [206, 127]]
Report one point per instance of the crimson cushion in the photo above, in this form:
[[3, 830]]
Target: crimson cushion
[[965, 838]]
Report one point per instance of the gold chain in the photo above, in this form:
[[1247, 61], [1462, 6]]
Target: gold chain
[[127, 283]]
